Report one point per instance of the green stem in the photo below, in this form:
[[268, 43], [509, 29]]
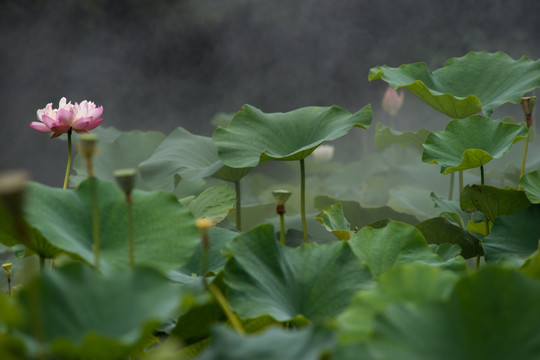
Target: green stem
[[482, 182], [10, 289], [41, 262], [95, 220], [129, 204], [282, 232], [68, 168], [460, 182], [238, 205], [522, 172], [233, 319], [303, 199], [451, 190]]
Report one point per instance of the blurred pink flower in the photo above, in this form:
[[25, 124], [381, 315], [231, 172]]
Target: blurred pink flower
[[392, 101], [79, 117]]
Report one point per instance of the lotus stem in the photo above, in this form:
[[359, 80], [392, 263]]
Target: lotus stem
[[238, 206], [527, 104], [282, 228], [7, 270], [204, 224], [303, 199], [460, 182], [525, 149], [126, 180], [482, 179], [451, 190], [87, 147], [233, 319], [281, 197], [68, 167]]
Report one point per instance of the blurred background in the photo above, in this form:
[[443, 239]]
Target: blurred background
[[157, 65]]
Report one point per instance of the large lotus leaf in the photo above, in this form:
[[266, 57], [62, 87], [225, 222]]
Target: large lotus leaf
[[83, 314], [478, 81], [214, 203], [470, 143], [492, 201], [188, 155], [414, 283], [313, 281], [360, 216], [165, 234], [413, 200], [386, 136], [514, 234], [127, 150], [333, 220], [254, 136], [492, 314], [396, 243], [275, 343], [531, 184]]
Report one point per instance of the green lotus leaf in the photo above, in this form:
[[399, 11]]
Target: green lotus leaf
[[81, 313], [478, 81], [490, 315], [214, 203], [531, 265], [386, 136], [313, 281], [513, 234], [440, 231], [332, 218], [360, 216], [531, 184], [188, 155], [127, 150], [165, 234], [492, 201], [396, 243], [446, 251], [470, 143], [254, 136], [274, 343], [412, 283]]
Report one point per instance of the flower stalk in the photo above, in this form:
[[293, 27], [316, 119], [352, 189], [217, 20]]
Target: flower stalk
[[7, 270], [281, 196], [204, 224], [87, 147], [527, 104], [126, 180], [68, 167], [238, 206], [303, 199]]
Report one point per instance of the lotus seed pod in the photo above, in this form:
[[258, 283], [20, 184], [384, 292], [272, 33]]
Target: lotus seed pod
[[203, 223], [87, 145], [527, 103], [281, 196], [7, 270], [125, 179]]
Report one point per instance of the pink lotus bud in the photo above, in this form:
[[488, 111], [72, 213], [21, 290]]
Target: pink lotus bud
[[392, 101], [79, 117]]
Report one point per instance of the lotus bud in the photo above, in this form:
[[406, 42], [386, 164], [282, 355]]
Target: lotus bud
[[392, 101], [12, 187], [87, 145], [527, 103], [125, 179], [324, 153]]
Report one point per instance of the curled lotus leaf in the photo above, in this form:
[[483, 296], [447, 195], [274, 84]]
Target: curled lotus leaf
[[470, 143], [476, 82], [254, 136]]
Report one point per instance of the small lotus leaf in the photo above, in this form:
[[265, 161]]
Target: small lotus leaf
[[165, 234], [514, 234], [332, 218], [386, 136], [314, 281], [254, 136], [470, 143], [214, 203], [531, 184], [492, 201], [478, 81]]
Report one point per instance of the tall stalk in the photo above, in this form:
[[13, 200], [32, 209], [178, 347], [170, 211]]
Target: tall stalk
[[527, 104], [281, 197], [87, 147], [238, 205], [126, 180], [68, 167], [303, 199], [451, 190]]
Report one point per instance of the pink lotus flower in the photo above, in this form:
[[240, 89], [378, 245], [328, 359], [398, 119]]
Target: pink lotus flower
[[392, 101], [79, 117]]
